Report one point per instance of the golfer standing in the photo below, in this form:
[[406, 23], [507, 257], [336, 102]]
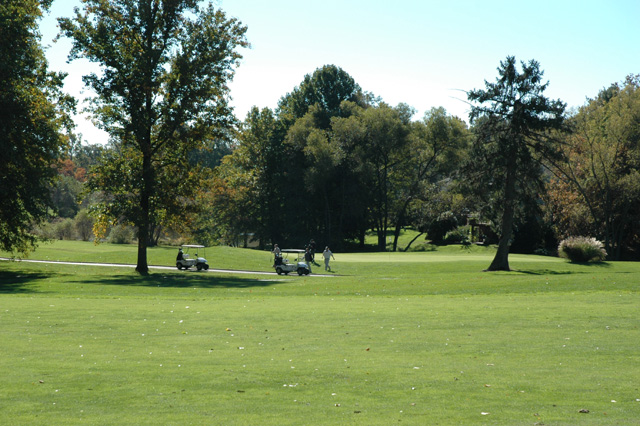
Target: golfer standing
[[327, 256]]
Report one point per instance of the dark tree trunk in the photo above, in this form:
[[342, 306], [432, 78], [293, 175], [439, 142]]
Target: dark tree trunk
[[501, 260], [143, 226]]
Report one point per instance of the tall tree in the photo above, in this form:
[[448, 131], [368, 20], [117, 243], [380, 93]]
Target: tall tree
[[162, 90], [385, 151], [327, 88], [513, 119], [33, 115]]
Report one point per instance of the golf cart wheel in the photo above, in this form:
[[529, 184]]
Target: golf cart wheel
[[178, 265], [279, 271], [199, 267], [301, 271], [206, 267]]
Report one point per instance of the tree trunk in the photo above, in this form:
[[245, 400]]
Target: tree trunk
[[501, 260], [411, 242], [143, 225], [382, 243]]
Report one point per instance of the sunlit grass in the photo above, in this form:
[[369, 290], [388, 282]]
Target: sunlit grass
[[415, 338]]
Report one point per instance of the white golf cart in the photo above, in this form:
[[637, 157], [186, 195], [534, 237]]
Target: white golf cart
[[186, 261], [284, 266]]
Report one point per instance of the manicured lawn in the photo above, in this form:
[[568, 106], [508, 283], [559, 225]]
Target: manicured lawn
[[392, 338]]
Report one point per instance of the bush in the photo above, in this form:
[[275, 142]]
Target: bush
[[63, 229], [460, 235], [582, 249], [422, 247], [438, 229], [120, 234], [83, 224]]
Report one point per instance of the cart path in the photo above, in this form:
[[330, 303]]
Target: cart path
[[166, 268]]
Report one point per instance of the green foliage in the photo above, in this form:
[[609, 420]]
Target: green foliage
[[326, 88], [582, 249], [65, 194], [34, 115], [460, 235], [63, 229], [120, 234], [439, 228], [83, 224]]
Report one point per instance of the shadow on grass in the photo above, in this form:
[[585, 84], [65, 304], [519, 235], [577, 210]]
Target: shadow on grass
[[181, 281], [18, 282], [555, 272]]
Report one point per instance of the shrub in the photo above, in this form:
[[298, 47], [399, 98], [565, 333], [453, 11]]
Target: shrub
[[438, 229], [460, 235], [582, 249], [120, 234], [84, 225], [422, 247], [63, 229]]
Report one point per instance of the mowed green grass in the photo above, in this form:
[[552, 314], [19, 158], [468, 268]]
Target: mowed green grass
[[391, 338]]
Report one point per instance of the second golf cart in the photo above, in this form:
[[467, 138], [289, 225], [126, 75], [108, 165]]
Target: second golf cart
[[184, 259], [284, 266]]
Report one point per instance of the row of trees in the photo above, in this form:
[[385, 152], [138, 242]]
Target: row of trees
[[330, 162]]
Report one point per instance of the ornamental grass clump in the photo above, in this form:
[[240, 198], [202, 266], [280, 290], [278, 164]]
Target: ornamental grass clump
[[582, 249]]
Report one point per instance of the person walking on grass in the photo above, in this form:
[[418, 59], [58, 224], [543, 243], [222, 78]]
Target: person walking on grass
[[308, 258], [327, 256]]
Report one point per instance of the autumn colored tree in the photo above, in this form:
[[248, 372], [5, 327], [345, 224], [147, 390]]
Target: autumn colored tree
[[596, 191], [162, 91]]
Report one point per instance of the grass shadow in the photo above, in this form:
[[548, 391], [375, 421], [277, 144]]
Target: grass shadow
[[556, 272], [545, 272], [593, 264], [183, 281], [12, 282]]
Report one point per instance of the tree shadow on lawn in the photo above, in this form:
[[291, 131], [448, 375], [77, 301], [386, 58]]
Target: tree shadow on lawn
[[565, 272], [18, 282], [182, 281]]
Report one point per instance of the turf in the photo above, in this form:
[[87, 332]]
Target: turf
[[391, 338]]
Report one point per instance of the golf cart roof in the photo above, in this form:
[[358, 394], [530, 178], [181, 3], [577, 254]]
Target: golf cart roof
[[192, 246], [292, 251]]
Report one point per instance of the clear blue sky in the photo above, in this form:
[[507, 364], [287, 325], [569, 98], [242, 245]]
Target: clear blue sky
[[425, 53]]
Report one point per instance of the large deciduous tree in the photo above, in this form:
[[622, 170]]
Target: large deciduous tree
[[512, 120], [162, 91], [33, 115]]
